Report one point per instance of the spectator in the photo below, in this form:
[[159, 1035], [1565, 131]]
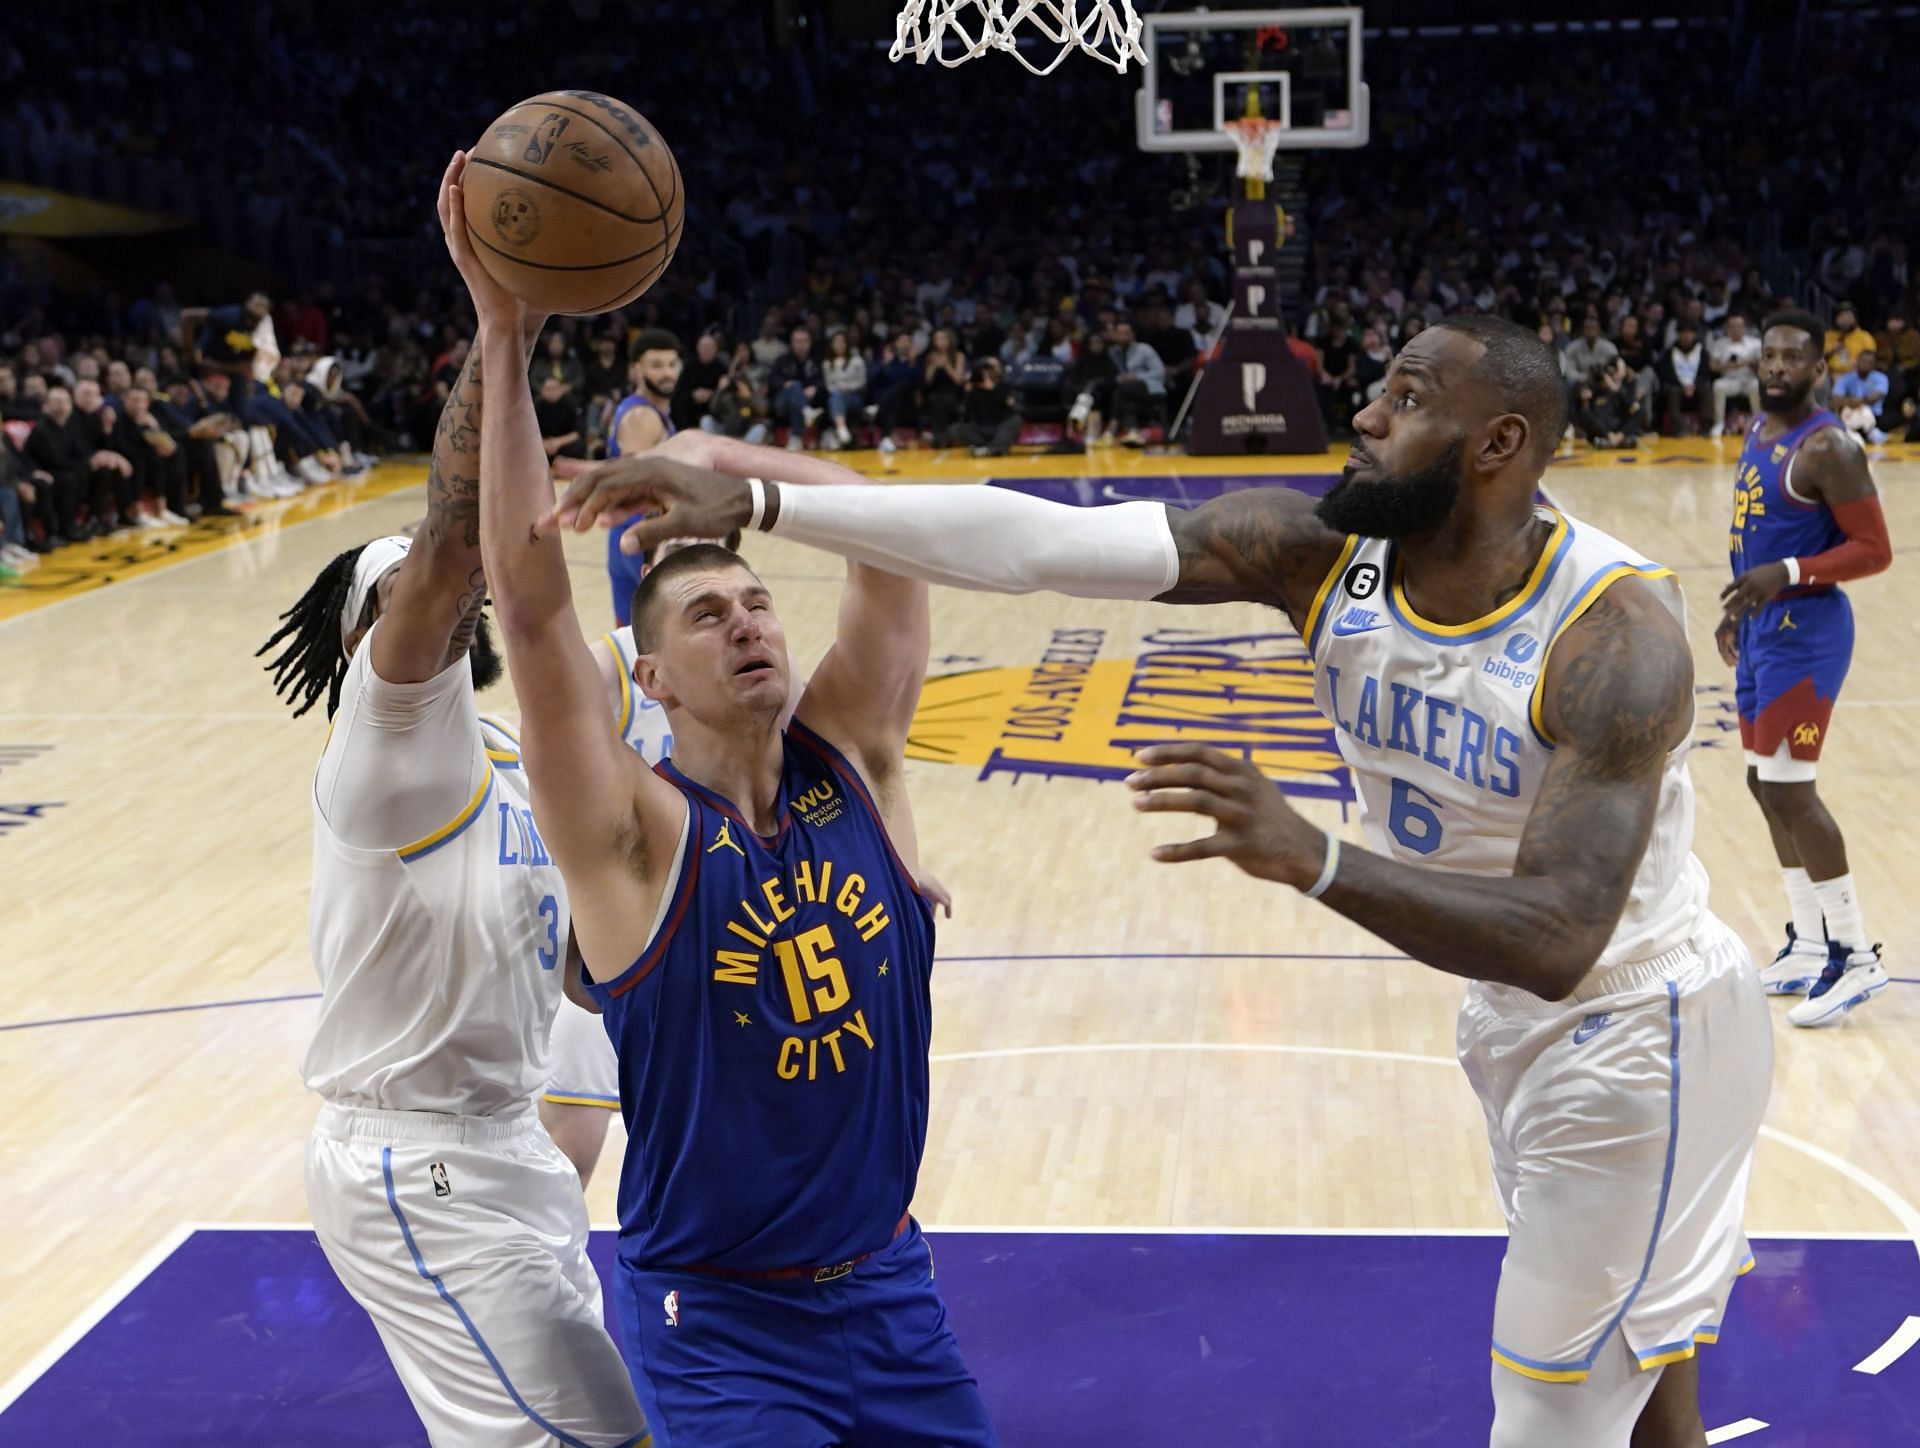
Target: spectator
[[1605, 406], [893, 385], [556, 362], [991, 425], [1859, 396], [195, 440], [1587, 354], [1339, 364], [159, 463], [603, 382], [1896, 350], [106, 435], [1846, 340], [1734, 359], [62, 458], [1638, 354], [943, 382], [797, 388], [1174, 344], [1199, 314], [1140, 386], [737, 409], [768, 347], [699, 380], [19, 550], [1682, 379], [846, 378], [14, 405], [1370, 367], [1090, 385], [559, 416]]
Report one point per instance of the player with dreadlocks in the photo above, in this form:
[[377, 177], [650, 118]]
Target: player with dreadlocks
[[439, 928]]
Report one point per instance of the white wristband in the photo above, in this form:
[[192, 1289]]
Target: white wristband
[[1793, 571], [1319, 887], [756, 490]]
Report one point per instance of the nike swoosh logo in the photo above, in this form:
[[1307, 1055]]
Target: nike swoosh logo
[[1585, 1032], [1340, 632]]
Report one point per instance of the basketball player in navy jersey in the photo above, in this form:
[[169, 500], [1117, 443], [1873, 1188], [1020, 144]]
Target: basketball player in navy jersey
[[1513, 691], [756, 939], [1806, 517], [639, 422]]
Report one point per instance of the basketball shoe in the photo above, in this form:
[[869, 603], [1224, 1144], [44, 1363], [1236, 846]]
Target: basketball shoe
[[1798, 965], [1851, 978]]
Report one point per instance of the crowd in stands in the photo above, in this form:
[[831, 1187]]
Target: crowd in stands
[[847, 279]]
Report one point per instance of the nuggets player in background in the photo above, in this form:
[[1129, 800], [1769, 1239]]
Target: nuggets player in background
[[1806, 517], [642, 420], [1514, 693], [762, 953], [439, 932]]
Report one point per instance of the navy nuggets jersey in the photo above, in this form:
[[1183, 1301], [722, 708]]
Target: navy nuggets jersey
[[773, 1037], [1770, 520], [623, 571]]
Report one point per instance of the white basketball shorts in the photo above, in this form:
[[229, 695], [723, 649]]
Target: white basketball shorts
[[465, 1239], [585, 1070], [1622, 1122]]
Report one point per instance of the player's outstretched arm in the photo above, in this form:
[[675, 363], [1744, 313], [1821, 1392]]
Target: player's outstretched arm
[[440, 589], [1263, 545], [1618, 696], [600, 812]]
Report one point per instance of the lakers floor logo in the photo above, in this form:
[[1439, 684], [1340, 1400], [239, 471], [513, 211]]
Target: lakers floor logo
[[1077, 714]]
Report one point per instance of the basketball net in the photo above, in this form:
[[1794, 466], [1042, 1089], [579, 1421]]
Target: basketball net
[[1108, 30], [1256, 140]]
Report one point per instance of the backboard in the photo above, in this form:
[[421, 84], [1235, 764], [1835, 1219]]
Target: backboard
[[1303, 65]]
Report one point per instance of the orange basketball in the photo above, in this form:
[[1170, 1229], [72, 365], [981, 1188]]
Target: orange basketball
[[573, 202]]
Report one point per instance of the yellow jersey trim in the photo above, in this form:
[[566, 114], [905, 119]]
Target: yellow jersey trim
[[1541, 1375], [1319, 606], [1536, 712], [1528, 595], [453, 826], [626, 683], [561, 1099]]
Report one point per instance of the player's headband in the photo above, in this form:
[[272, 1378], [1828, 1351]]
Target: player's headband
[[375, 559]]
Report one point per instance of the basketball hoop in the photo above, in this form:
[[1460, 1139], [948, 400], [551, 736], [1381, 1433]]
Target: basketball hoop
[[1256, 140], [1108, 30]]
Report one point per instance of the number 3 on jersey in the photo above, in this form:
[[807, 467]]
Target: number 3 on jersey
[[1414, 818], [549, 954]]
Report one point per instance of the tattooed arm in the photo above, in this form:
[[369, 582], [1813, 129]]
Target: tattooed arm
[[437, 595], [1260, 545], [1618, 697]]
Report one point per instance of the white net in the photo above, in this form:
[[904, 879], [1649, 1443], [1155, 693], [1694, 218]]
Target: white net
[[1256, 141], [956, 31]]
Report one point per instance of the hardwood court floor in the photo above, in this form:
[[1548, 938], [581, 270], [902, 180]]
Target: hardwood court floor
[[1118, 1043]]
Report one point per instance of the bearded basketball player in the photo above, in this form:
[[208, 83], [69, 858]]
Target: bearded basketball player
[[641, 421], [1806, 518], [1514, 693]]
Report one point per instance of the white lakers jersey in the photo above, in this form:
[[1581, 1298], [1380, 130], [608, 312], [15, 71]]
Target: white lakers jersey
[[1441, 724], [642, 721], [439, 959]]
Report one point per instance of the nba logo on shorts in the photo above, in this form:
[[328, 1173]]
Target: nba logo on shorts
[[672, 1305], [1521, 647], [438, 1171]]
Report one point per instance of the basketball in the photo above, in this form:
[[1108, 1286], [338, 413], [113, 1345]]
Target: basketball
[[573, 202]]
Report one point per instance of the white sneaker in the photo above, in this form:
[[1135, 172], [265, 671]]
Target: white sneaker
[[888, 447], [794, 441], [1794, 970], [843, 432], [256, 486], [1716, 431], [1844, 984], [17, 558], [312, 470], [148, 520], [811, 415], [171, 518]]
